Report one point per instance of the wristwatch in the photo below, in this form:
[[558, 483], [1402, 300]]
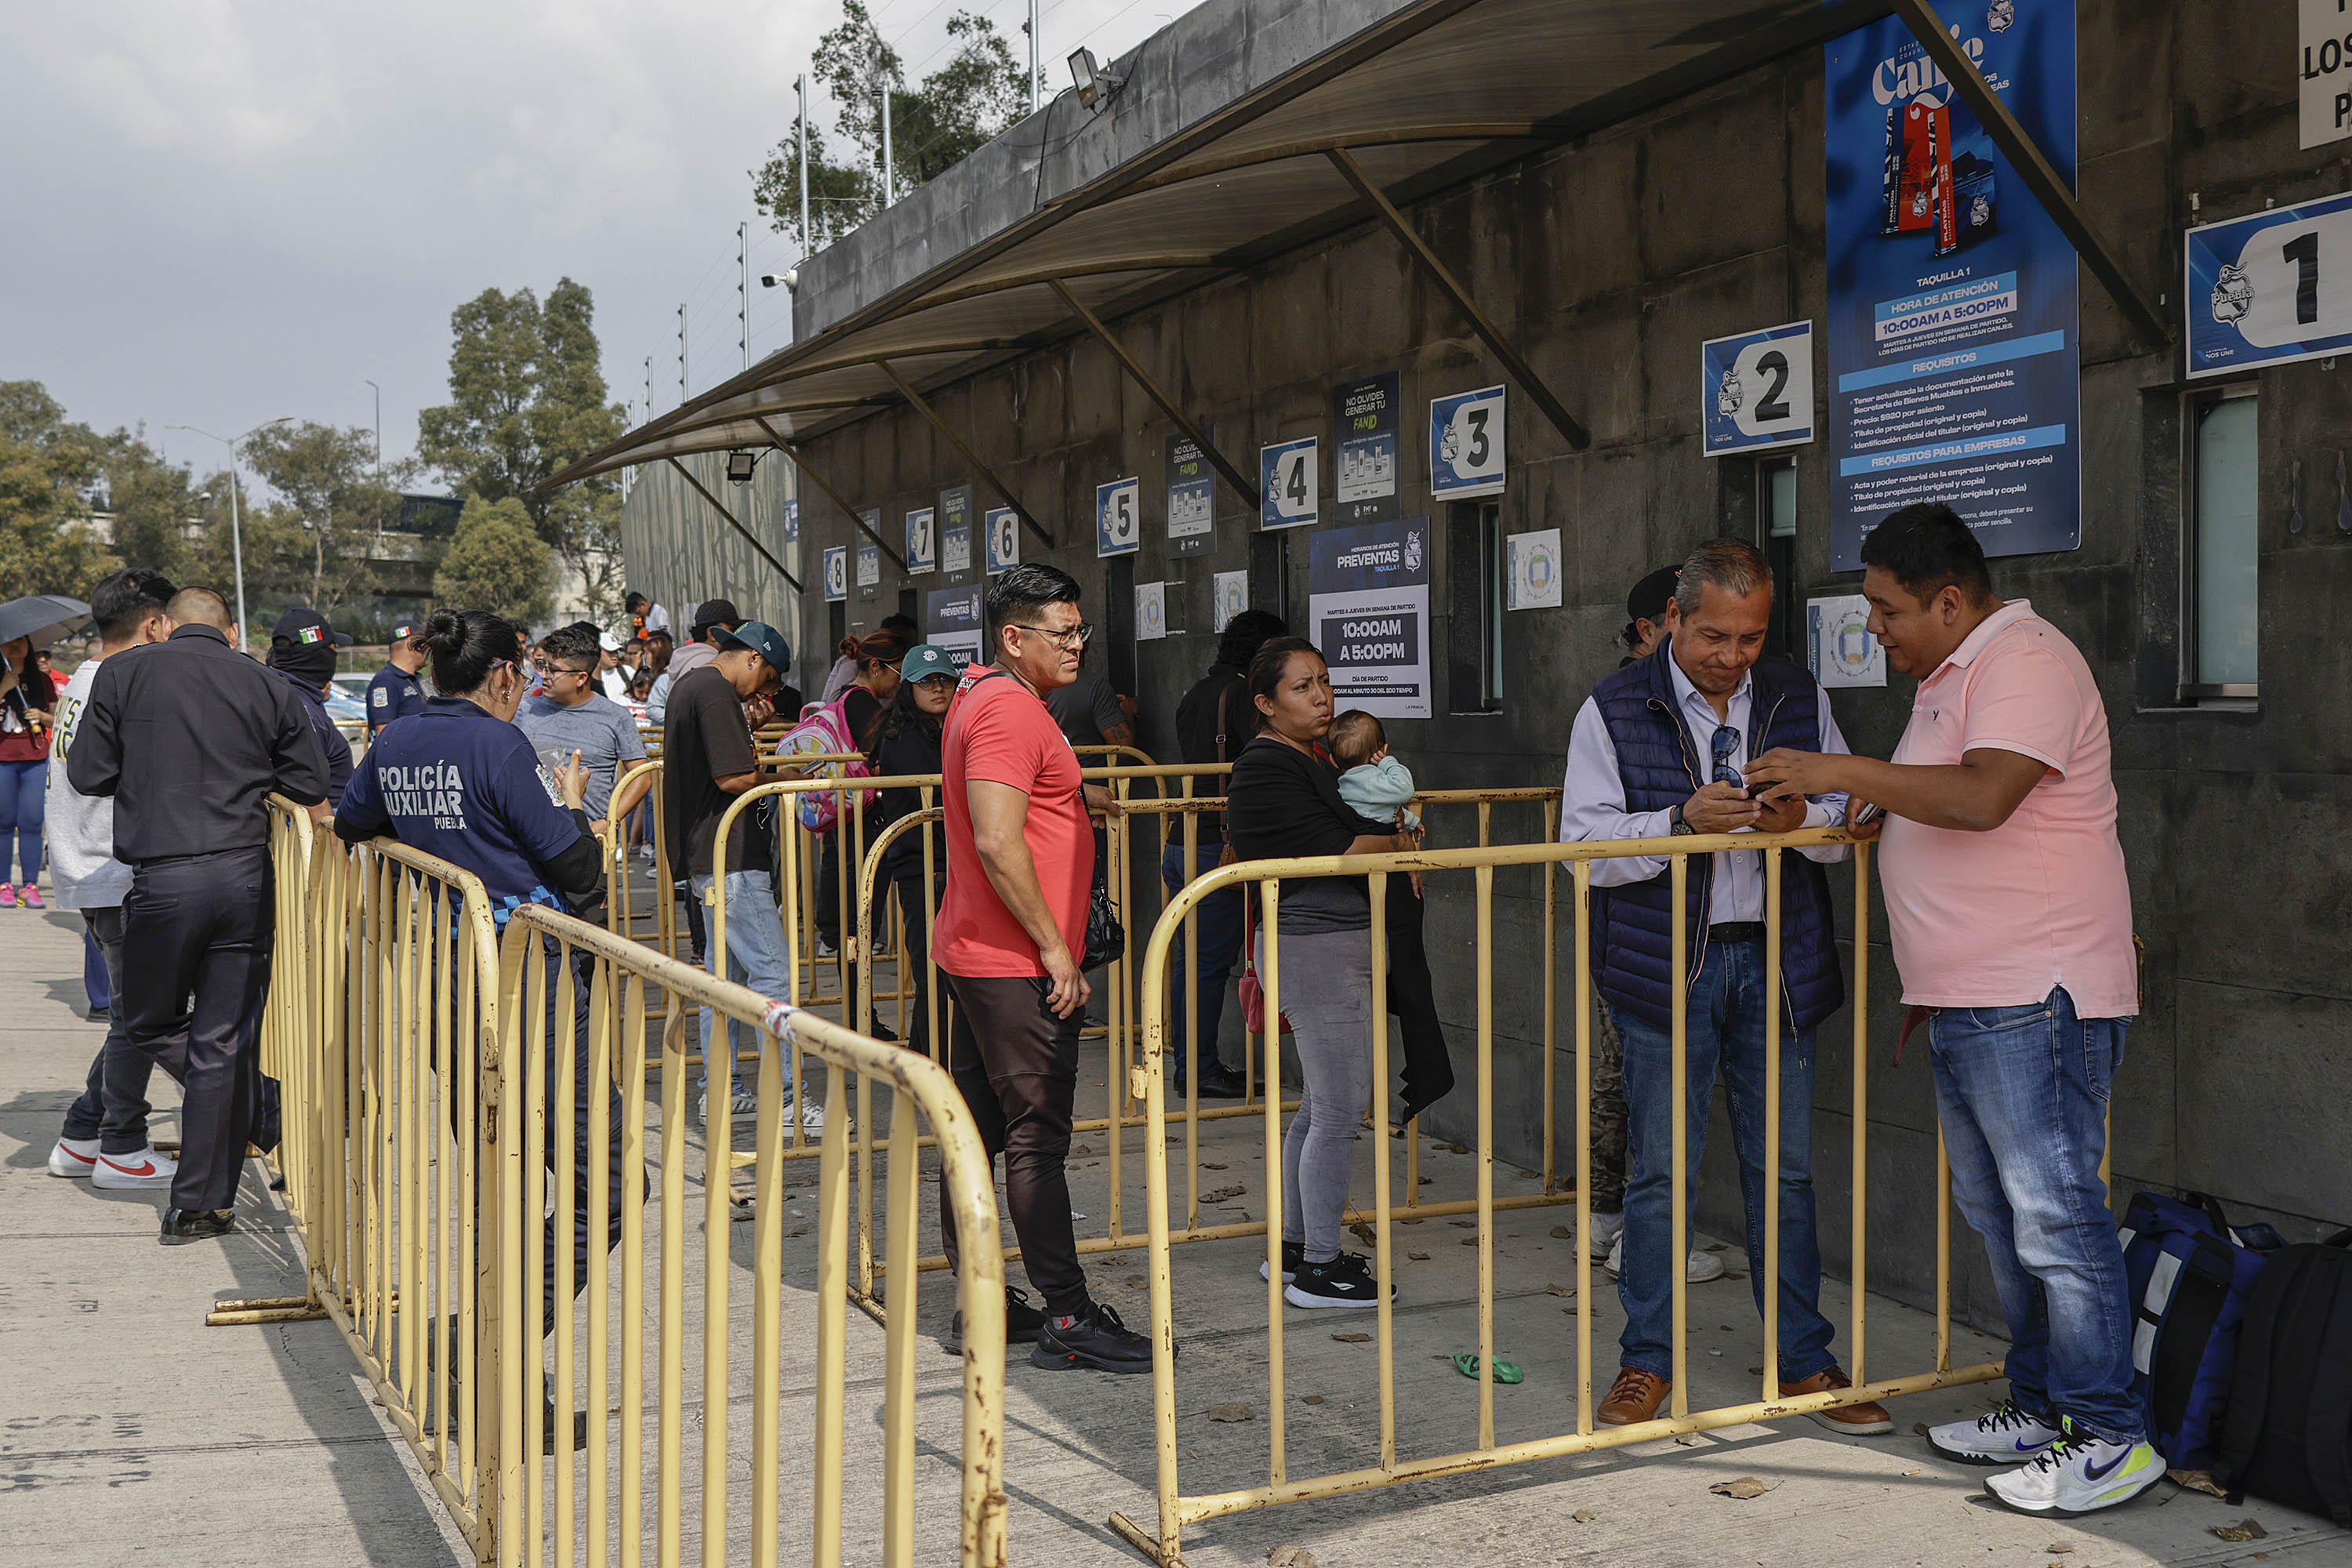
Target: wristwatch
[[1681, 828]]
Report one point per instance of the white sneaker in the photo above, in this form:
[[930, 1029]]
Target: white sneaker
[[1606, 1229], [644, 851], [1699, 1268], [2078, 1475], [813, 1121], [742, 1104], [135, 1172], [824, 949], [2007, 1436], [74, 1157]]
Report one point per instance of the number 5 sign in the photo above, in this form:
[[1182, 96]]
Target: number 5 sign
[[1289, 477], [1465, 444], [1117, 530], [1756, 390]]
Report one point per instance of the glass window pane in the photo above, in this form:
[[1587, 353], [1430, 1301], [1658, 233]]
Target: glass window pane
[[2227, 482], [1783, 480]]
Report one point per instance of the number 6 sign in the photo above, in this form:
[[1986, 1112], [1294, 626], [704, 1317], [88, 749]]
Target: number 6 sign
[[1117, 530], [1465, 444], [1001, 531], [1756, 390]]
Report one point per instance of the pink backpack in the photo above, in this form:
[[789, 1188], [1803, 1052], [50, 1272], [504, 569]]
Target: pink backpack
[[824, 727]]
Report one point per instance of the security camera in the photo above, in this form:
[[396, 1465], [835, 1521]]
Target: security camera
[[790, 278]]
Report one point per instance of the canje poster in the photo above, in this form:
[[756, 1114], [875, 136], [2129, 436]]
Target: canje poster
[[1952, 329], [1368, 600]]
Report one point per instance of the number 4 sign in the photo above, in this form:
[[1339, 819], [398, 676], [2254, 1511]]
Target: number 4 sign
[[1465, 444], [1117, 530], [1756, 390], [1289, 477]]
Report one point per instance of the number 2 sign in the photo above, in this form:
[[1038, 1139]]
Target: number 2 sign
[[1465, 444], [1756, 390], [1289, 476]]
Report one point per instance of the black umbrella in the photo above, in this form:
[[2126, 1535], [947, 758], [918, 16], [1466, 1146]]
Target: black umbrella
[[43, 618]]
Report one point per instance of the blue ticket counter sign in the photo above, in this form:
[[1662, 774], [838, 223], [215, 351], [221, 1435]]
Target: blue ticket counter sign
[[836, 573], [1000, 532], [1118, 527], [1756, 390], [1465, 444], [1289, 476], [2270, 288]]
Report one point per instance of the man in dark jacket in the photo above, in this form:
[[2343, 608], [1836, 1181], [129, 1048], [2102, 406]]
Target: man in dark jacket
[[303, 651], [1655, 753], [189, 736]]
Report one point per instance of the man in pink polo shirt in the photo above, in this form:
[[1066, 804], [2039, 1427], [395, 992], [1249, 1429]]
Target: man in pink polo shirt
[[2011, 916]]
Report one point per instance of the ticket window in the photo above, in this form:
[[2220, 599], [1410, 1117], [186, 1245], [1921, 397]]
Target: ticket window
[[1776, 513], [2218, 604], [1474, 565]]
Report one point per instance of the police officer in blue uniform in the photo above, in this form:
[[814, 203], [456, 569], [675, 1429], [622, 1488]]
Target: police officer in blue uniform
[[459, 781], [302, 647], [395, 693]]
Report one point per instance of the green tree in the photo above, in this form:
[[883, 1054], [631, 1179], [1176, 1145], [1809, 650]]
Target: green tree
[[957, 108], [527, 397], [156, 505], [48, 469], [496, 561], [339, 505]]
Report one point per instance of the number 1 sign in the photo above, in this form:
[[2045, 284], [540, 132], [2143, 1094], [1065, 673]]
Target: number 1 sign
[[2270, 288], [1756, 390]]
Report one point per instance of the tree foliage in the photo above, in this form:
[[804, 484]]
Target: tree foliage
[[957, 108], [528, 397], [337, 505], [48, 469], [496, 561]]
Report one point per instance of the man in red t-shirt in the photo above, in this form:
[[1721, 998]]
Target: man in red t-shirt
[[1010, 937]]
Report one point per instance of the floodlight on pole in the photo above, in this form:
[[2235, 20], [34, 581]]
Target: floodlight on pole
[[739, 464], [1030, 28], [799, 88], [235, 523]]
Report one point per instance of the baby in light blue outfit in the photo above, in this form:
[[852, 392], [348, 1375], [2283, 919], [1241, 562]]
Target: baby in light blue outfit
[[1370, 780]]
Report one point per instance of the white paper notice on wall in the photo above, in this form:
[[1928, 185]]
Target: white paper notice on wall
[[1535, 571], [1150, 611], [1230, 592], [1838, 643]]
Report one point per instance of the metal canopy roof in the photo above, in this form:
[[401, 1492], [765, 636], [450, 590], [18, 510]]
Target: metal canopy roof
[[1435, 94]]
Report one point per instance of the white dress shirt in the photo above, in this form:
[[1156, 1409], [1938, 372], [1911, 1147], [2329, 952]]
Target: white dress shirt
[[1592, 802]]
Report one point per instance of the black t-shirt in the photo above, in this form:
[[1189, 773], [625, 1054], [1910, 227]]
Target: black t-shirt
[[1198, 733], [1283, 804], [909, 751], [705, 739], [858, 708]]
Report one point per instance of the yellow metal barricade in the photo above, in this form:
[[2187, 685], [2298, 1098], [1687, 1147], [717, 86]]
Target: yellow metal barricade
[[456, 1102], [1176, 1510]]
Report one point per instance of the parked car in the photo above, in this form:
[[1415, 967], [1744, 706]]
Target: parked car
[[347, 699]]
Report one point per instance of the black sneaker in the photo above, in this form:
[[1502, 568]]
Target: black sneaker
[[1293, 1253], [1021, 1322], [1097, 1339], [1345, 1281]]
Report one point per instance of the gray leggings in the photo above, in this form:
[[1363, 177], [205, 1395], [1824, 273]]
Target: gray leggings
[[1327, 993]]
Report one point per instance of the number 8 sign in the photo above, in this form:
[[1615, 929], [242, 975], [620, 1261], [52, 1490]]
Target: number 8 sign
[[836, 573], [1756, 390], [1119, 530]]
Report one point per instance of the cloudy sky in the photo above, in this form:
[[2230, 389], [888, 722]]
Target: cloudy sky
[[224, 212]]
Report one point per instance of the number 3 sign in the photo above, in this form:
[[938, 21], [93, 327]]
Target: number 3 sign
[[1756, 390], [1465, 444]]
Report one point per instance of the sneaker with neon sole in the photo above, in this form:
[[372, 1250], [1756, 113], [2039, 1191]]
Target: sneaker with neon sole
[[135, 1172], [74, 1157], [2007, 1436], [32, 896], [2076, 1475]]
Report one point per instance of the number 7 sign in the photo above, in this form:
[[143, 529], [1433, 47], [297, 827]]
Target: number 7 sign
[[1756, 390], [1465, 444]]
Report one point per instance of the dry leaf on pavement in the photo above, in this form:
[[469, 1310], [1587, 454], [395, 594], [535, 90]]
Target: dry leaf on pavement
[[1352, 1339], [1418, 1257], [1220, 1194], [1310, 1399], [1290, 1557], [1561, 1290], [1232, 1413], [1584, 1516], [1744, 1487], [1561, 1233], [2244, 1530]]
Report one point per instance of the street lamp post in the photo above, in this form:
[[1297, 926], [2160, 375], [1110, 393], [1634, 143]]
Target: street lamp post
[[235, 525], [379, 427]]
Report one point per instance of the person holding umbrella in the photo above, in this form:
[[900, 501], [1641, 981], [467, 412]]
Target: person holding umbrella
[[28, 696]]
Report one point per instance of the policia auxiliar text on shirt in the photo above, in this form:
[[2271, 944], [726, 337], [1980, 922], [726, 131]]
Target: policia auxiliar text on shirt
[[190, 736]]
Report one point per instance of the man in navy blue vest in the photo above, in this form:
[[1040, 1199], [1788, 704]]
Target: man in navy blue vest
[[1657, 752]]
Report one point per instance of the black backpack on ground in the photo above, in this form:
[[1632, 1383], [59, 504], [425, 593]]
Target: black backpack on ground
[[2288, 1437]]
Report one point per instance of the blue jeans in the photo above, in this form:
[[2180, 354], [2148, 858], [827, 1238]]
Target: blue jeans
[[1218, 930], [1723, 1026], [24, 802], [755, 956], [2022, 1095]]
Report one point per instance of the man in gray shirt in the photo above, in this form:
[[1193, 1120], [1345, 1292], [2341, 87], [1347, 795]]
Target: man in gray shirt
[[568, 714]]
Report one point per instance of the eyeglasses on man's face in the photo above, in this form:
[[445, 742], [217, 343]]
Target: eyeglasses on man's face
[[1074, 636], [547, 667]]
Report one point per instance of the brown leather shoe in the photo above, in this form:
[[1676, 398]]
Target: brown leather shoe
[[1854, 1420], [1634, 1396]]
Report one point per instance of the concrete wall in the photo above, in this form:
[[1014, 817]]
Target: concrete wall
[[681, 551], [1608, 263]]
